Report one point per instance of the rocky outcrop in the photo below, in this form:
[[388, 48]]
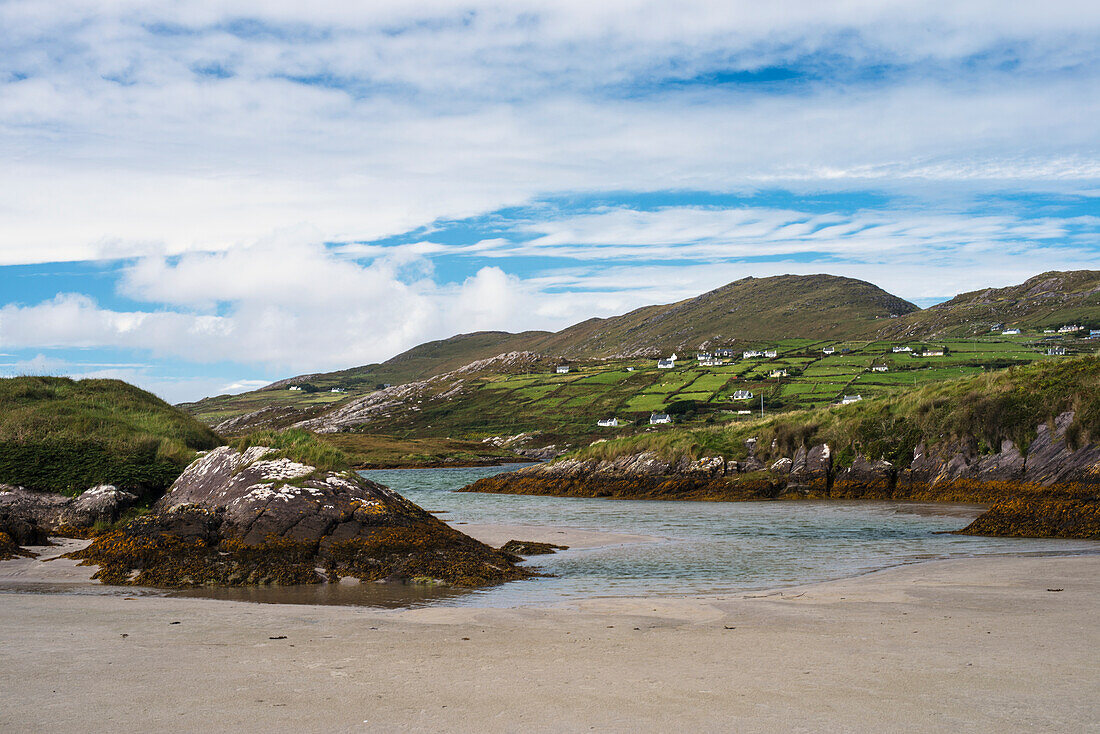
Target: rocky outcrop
[[382, 403], [55, 513], [1020, 484], [253, 517]]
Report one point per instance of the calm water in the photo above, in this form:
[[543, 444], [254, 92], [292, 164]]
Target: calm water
[[699, 547]]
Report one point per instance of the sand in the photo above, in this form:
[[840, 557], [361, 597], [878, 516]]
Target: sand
[[974, 645]]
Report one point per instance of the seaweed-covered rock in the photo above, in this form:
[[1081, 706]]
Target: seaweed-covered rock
[[864, 478], [531, 548], [244, 518]]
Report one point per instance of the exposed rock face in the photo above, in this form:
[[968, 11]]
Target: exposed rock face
[[248, 518], [16, 531], [266, 417], [381, 403], [864, 477], [1052, 477], [52, 513]]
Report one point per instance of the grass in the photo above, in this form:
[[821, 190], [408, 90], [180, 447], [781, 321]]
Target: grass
[[297, 445], [63, 435], [375, 450]]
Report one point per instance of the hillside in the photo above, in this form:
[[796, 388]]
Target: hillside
[[1047, 301], [799, 315], [63, 435], [748, 310]]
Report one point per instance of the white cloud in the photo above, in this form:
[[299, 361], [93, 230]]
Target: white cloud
[[286, 303], [113, 145]]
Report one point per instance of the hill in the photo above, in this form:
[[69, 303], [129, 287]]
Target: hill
[[435, 385], [63, 435], [1047, 301], [748, 310]]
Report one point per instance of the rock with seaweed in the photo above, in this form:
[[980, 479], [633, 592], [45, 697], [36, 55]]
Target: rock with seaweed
[[531, 548], [255, 514]]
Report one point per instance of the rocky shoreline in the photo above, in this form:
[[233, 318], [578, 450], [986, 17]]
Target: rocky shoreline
[[1051, 489]]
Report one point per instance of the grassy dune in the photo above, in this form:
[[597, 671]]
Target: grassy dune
[[63, 435]]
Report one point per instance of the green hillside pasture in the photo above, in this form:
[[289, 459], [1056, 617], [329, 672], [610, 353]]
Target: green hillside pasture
[[611, 377], [710, 382], [644, 402]]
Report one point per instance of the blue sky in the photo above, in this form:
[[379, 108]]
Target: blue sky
[[202, 197]]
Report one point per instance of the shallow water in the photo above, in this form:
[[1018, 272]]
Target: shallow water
[[697, 548], [706, 547]]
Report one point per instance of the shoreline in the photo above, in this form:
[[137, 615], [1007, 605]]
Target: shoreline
[[504, 461], [979, 644]]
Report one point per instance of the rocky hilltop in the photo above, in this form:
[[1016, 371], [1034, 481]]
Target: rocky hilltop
[[256, 517]]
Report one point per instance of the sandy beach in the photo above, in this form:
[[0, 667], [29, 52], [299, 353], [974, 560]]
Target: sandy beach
[[972, 645]]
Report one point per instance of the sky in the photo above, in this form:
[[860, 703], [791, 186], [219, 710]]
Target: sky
[[202, 197]]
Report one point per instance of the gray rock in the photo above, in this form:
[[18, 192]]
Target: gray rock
[[52, 512], [264, 497]]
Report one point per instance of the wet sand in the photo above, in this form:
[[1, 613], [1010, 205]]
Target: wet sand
[[973, 645]]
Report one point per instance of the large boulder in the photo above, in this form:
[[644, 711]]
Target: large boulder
[[253, 517]]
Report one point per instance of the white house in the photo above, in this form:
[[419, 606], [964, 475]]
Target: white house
[[771, 353], [629, 369], [1010, 332], [850, 399], [724, 352], [1094, 334], [666, 364], [744, 412], [1056, 352], [608, 422], [1048, 331], [1069, 329], [703, 356], [339, 390], [899, 350], [562, 369], [879, 368], [751, 354], [656, 418], [711, 363], [294, 388], [742, 395], [778, 373], [828, 350]]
